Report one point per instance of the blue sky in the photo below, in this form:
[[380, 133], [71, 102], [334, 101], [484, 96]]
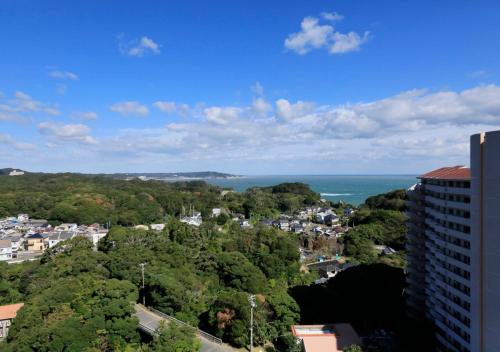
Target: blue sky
[[247, 87]]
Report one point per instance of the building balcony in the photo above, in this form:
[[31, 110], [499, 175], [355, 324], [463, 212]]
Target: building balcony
[[446, 231], [447, 259], [448, 190], [448, 203], [447, 217], [449, 330], [448, 288]]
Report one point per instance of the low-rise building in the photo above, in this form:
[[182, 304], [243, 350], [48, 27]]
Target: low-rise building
[[157, 227], [5, 250], [326, 338], [7, 314], [36, 243], [57, 237]]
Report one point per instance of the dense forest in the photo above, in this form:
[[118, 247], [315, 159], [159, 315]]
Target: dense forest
[[99, 199], [77, 299]]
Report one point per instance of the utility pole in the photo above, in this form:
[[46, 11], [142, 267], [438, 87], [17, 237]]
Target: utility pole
[[143, 291], [251, 299]]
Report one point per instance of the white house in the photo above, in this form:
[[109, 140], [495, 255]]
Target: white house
[[5, 250], [192, 220], [67, 227], [16, 241], [95, 237], [57, 237], [157, 227], [216, 212], [23, 217]]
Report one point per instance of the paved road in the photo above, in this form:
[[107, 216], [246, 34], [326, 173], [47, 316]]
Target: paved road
[[149, 322]]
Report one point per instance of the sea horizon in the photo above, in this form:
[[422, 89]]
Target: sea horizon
[[352, 189]]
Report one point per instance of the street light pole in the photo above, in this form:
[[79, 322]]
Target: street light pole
[[143, 291], [251, 299]]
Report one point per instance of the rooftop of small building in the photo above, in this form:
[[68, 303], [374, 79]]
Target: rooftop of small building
[[453, 173], [326, 337], [9, 311]]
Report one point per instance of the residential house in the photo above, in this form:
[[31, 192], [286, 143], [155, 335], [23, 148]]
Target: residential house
[[320, 216], [297, 228], [331, 219], [57, 237], [95, 237], [7, 314], [36, 243], [157, 227], [216, 212], [67, 227], [244, 224], [17, 242], [348, 212], [5, 250], [192, 220], [282, 224], [23, 217]]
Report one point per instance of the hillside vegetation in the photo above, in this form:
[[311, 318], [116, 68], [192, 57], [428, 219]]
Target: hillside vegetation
[[379, 221], [77, 299], [98, 199]]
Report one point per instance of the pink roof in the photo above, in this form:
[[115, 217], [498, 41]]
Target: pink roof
[[9, 311], [326, 338], [459, 173]]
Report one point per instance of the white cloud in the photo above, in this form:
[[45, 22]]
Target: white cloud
[[288, 112], [343, 43], [314, 35], [221, 115], [261, 107], [84, 115], [142, 47], [24, 103], [332, 16], [8, 140], [407, 132], [165, 106], [63, 75], [127, 108], [61, 132]]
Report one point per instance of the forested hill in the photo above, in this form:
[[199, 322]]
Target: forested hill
[[86, 199], [173, 175]]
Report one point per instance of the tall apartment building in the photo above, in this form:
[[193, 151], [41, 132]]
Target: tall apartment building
[[453, 245]]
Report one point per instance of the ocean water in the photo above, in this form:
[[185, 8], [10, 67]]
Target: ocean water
[[350, 189]]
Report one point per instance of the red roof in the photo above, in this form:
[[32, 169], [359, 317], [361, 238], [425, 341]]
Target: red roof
[[9, 311], [449, 173]]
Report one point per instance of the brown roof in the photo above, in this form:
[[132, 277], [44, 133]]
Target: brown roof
[[9, 311], [458, 173]]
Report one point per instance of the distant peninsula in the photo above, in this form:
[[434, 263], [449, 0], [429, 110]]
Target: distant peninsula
[[162, 176], [173, 176]]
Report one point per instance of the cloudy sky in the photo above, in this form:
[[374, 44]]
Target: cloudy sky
[[246, 87]]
